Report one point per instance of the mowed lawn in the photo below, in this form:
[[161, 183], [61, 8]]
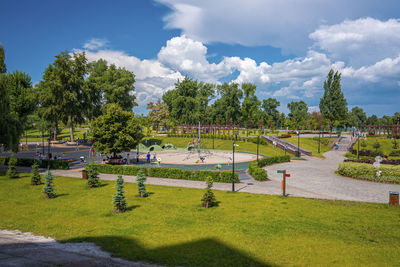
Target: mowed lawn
[[386, 145], [310, 144], [220, 144], [169, 227]]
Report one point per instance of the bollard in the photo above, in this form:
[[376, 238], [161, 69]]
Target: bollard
[[393, 198]]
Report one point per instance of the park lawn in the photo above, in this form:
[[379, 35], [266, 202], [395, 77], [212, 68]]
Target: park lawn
[[219, 144], [34, 135], [169, 227], [386, 145], [308, 143]]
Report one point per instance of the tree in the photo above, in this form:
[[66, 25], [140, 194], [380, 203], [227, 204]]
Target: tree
[[298, 113], [271, 115], [333, 105], [48, 188], [208, 199], [119, 198], [357, 117], [35, 176], [116, 131], [251, 104], [315, 121], [93, 176], [115, 85], [373, 120], [140, 179], [227, 107], [62, 89], [3, 68], [158, 113], [12, 168], [376, 145]]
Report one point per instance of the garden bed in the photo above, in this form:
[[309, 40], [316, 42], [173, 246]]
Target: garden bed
[[363, 171]]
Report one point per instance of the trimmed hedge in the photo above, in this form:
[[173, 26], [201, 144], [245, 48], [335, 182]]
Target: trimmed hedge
[[174, 173], [222, 137], [259, 174], [28, 162], [365, 171]]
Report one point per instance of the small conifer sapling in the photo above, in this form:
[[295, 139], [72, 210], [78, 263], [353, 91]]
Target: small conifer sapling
[[208, 199], [35, 176], [48, 188], [140, 179], [93, 176], [119, 198], [12, 168]]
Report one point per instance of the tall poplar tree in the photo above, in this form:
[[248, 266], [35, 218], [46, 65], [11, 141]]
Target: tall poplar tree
[[333, 105]]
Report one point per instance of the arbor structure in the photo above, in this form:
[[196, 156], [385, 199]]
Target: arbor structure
[[333, 105], [116, 131], [119, 199]]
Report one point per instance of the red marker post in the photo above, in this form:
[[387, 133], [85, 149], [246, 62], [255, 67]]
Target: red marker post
[[284, 175]]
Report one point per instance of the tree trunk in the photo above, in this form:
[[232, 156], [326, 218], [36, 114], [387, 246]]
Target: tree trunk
[[55, 132], [71, 129]]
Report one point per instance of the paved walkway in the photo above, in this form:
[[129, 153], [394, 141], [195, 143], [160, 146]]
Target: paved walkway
[[25, 249]]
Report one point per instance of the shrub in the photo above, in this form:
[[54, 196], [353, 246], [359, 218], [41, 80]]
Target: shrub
[[3, 160], [395, 153], [390, 174], [119, 198], [376, 145], [140, 179], [35, 176], [395, 144], [208, 199], [12, 168], [93, 176], [174, 173], [363, 143], [48, 188], [255, 168], [28, 162]]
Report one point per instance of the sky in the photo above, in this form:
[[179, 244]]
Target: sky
[[286, 48]]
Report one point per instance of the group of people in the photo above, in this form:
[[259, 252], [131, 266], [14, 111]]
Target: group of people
[[149, 160]]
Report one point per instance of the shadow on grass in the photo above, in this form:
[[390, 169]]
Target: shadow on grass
[[61, 195], [130, 208], [202, 252]]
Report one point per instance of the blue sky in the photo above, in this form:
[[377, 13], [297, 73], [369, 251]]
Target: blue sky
[[285, 47]]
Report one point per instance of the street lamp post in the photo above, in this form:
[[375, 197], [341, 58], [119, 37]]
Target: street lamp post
[[42, 142], [319, 141], [233, 165], [258, 143], [298, 143]]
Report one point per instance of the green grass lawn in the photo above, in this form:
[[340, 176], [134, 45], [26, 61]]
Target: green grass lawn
[[219, 144], [34, 135], [308, 143], [170, 228], [386, 145]]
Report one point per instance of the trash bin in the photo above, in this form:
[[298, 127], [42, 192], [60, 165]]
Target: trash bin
[[393, 198], [298, 153], [84, 174]]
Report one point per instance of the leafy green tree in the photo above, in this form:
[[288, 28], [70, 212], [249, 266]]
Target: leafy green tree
[[3, 68], [48, 188], [140, 179], [116, 131], [158, 113], [298, 113], [333, 105], [12, 167], [93, 176], [357, 117], [35, 176], [119, 198], [271, 115], [251, 104], [208, 199], [373, 120], [63, 83], [376, 145], [227, 107]]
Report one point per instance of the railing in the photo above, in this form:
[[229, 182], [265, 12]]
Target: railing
[[292, 149]]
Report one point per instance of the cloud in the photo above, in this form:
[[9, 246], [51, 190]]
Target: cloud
[[284, 24], [359, 42], [94, 44]]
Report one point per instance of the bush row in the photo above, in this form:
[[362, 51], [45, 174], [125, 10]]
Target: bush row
[[369, 153], [222, 137], [390, 174], [174, 173], [255, 168], [28, 162], [371, 161]]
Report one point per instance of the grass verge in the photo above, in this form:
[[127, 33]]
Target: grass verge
[[170, 228]]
